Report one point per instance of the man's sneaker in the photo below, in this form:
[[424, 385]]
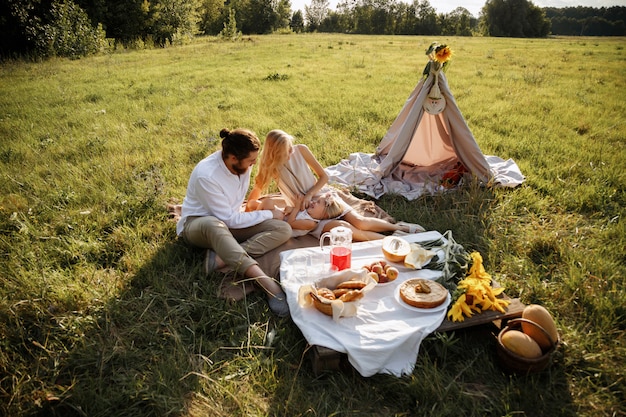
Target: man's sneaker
[[278, 305], [210, 262]]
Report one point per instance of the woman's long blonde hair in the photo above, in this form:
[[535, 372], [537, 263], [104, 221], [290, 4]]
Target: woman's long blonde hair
[[274, 155]]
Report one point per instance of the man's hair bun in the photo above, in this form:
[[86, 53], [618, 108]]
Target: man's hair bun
[[224, 133]]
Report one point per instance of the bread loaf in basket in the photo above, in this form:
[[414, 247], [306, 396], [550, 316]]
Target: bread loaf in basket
[[337, 295]]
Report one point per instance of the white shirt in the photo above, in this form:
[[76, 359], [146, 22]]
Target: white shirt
[[215, 191], [302, 215]]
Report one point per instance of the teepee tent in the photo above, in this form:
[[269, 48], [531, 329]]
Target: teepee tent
[[426, 142], [423, 142]]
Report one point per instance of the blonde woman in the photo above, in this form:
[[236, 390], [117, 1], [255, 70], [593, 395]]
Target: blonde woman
[[301, 178]]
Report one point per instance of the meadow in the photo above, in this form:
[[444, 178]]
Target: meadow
[[103, 312]]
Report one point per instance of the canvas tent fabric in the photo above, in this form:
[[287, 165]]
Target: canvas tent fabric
[[419, 148]]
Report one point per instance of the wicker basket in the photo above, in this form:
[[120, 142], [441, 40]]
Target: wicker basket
[[351, 299], [325, 305], [325, 308], [520, 364]]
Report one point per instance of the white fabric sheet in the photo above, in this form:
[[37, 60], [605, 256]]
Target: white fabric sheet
[[385, 335], [359, 172]]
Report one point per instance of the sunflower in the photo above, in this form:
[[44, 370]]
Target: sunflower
[[439, 56], [443, 53]]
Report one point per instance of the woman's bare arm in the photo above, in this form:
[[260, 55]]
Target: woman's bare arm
[[318, 169]]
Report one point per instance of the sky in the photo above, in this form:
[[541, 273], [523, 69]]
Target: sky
[[474, 6]]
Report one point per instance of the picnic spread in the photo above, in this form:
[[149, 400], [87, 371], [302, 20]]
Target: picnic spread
[[380, 326]]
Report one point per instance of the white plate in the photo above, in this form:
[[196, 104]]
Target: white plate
[[397, 266], [440, 307]]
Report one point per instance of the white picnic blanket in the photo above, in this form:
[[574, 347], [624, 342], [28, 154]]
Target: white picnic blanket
[[360, 172], [385, 334]]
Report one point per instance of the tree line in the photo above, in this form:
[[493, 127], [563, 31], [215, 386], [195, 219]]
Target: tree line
[[75, 28], [587, 21]]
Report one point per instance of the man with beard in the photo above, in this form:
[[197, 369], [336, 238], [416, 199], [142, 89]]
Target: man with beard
[[213, 216]]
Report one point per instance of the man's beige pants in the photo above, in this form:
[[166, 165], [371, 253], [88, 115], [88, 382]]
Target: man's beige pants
[[236, 247]]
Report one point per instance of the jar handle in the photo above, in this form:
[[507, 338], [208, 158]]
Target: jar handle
[[322, 238]]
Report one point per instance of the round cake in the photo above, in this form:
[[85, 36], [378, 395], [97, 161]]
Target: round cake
[[422, 293]]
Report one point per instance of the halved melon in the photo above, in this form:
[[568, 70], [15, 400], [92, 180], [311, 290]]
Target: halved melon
[[395, 248]]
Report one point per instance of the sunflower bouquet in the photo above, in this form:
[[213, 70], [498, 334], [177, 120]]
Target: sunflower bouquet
[[439, 56], [475, 294]]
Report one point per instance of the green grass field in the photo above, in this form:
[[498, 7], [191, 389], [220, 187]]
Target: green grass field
[[103, 312]]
